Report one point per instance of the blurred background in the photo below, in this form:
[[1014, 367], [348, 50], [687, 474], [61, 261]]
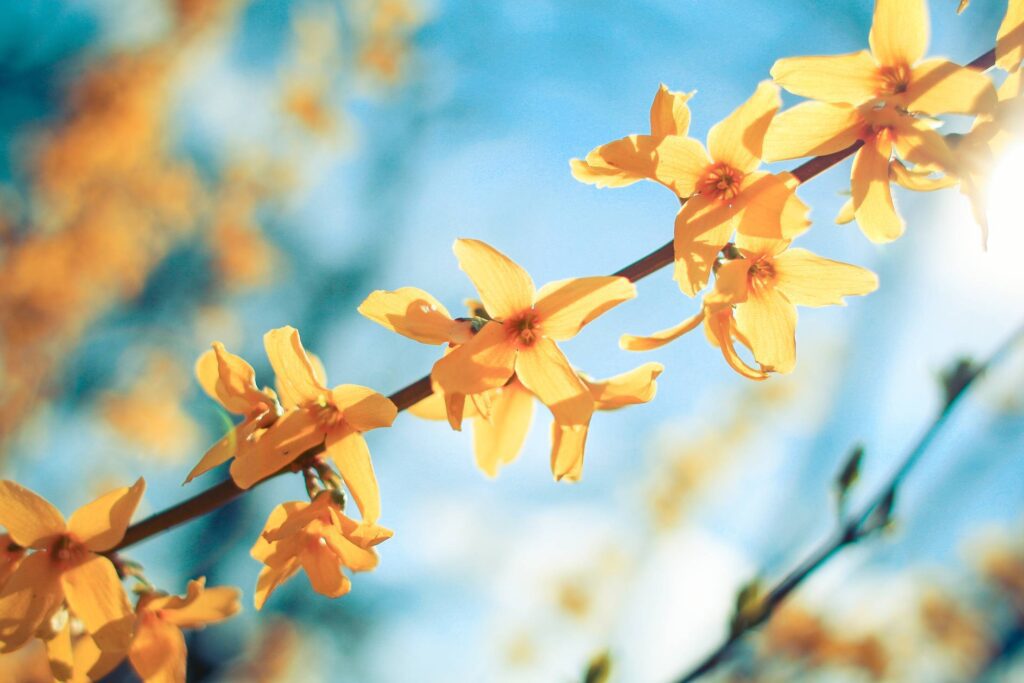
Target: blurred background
[[174, 172]]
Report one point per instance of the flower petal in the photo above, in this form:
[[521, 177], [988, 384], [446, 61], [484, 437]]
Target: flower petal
[[807, 279], [720, 327], [767, 206], [222, 451], [625, 389], [410, 312], [201, 605], [58, 651], [732, 284], [482, 363], [1010, 38], [670, 115], [899, 31], [101, 524], [158, 652], [29, 598], [872, 198], [919, 143], [430, 408], [675, 161], [738, 140], [768, 321], [269, 450], [702, 228], [351, 455], [324, 572], [94, 593], [270, 578], [356, 558], [811, 129], [230, 381], [297, 381], [852, 78], [918, 181], [29, 519], [938, 86], [544, 370], [363, 408], [567, 450], [498, 441], [504, 287], [565, 306], [631, 342]]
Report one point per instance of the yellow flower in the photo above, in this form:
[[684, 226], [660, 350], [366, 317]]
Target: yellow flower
[[66, 566], [1010, 38], [316, 537], [499, 435], [520, 336], [11, 555], [892, 71], [723, 189], [413, 313], [755, 298], [230, 381], [158, 650]]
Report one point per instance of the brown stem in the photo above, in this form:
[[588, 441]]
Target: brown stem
[[226, 491]]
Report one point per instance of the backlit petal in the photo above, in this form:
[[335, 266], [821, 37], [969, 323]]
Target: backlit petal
[[631, 342], [567, 447], [324, 572], [158, 652], [222, 451], [720, 328], [625, 389], [356, 558], [430, 408], [702, 228], [768, 321], [732, 284], [270, 578], [872, 198], [201, 605], [675, 161], [565, 306], [483, 363], [670, 115], [29, 519], [938, 86], [504, 287], [899, 31], [1010, 38], [919, 181], [738, 140], [363, 408], [58, 651], [351, 455], [29, 597], [767, 206], [410, 312], [851, 78], [811, 129], [101, 524], [594, 170], [269, 450], [807, 279], [544, 370], [233, 381], [919, 143], [297, 383], [94, 593], [497, 441]]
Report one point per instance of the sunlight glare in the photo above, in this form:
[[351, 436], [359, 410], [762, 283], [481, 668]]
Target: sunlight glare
[[1006, 217]]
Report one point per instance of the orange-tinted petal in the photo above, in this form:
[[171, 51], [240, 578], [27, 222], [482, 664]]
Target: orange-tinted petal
[[497, 441], [363, 408], [768, 321], [94, 593], [807, 279], [628, 388], [200, 605], [297, 381], [721, 329], [872, 199], [222, 451], [158, 652], [565, 306], [430, 408], [29, 519], [29, 598], [811, 129], [355, 557], [351, 455], [675, 161], [504, 287], [938, 86], [767, 206], [268, 451], [230, 380], [59, 652], [1010, 38], [919, 181], [483, 363], [324, 572], [732, 284], [101, 524], [850, 79], [670, 115], [899, 31], [702, 228], [91, 661], [410, 312], [544, 370], [738, 140], [567, 446], [631, 342], [270, 578]]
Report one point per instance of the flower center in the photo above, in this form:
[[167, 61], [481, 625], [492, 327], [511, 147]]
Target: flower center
[[762, 272], [524, 328], [894, 80], [721, 182], [67, 549], [326, 413]]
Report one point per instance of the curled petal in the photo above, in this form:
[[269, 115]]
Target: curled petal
[[738, 140], [851, 79], [544, 370], [567, 450], [497, 441], [631, 342], [807, 279], [410, 312], [363, 409], [629, 388], [297, 380], [504, 287], [670, 115], [812, 129], [919, 181], [565, 306], [29, 519], [721, 330], [899, 31], [101, 524], [200, 605]]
